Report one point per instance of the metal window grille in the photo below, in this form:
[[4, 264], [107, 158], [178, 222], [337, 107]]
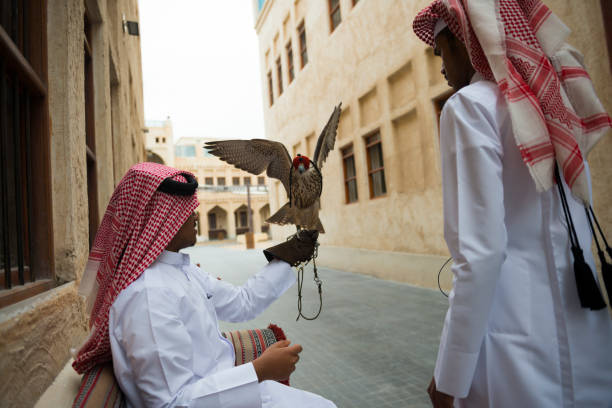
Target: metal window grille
[[220, 181]]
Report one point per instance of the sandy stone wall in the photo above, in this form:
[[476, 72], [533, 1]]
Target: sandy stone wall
[[36, 335], [388, 82], [35, 341]]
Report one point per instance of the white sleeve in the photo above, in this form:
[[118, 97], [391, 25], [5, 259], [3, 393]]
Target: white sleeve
[[475, 234], [159, 348], [242, 303]]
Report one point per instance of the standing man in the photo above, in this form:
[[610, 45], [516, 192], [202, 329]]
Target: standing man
[[516, 334], [155, 315]]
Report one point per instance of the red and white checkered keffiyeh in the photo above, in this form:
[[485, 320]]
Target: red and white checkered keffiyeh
[[520, 44], [138, 225]]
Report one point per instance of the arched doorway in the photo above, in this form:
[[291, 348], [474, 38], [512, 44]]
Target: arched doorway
[[217, 223], [154, 157]]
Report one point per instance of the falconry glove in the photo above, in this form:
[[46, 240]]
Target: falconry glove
[[296, 250]]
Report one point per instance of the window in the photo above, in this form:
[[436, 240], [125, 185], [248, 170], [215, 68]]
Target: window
[[279, 75], [303, 51], [208, 181], [270, 89], [247, 181], [334, 14], [220, 181], [157, 140], [350, 175], [290, 62], [261, 181], [235, 181], [184, 151], [163, 140], [25, 183], [376, 167]]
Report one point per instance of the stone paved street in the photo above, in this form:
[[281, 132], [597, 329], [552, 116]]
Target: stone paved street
[[374, 344]]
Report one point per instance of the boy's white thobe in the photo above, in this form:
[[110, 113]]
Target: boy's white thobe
[[167, 347], [514, 334]]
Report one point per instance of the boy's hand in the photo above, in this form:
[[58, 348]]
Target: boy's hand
[[278, 361]]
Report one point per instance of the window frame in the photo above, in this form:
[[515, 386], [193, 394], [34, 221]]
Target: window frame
[[235, 181], [346, 153], [371, 172], [290, 67], [332, 10], [301, 30], [23, 74], [270, 88], [279, 75]]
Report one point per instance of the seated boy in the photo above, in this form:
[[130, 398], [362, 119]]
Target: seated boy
[[156, 314]]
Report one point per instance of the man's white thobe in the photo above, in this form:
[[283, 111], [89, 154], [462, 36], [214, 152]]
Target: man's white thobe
[[168, 350], [514, 334]]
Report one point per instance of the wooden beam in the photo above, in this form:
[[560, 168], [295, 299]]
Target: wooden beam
[[16, 59], [19, 293]]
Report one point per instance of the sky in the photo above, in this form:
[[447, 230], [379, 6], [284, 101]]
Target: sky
[[200, 64]]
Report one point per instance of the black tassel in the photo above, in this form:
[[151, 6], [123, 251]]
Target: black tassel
[[588, 291]]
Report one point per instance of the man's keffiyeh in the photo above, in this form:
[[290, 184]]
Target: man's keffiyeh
[[520, 44], [138, 224]]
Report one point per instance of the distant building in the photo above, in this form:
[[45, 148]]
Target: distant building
[[222, 193], [382, 187], [159, 142], [71, 95]]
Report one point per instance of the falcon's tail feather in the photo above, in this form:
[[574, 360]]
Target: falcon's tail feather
[[293, 215]]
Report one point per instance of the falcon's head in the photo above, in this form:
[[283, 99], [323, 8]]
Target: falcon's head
[[301, 163]]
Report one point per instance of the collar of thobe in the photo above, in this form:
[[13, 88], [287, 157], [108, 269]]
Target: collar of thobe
[[174, 258]]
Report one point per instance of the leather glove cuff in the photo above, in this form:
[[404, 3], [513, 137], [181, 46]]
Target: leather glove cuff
[[298, 249]]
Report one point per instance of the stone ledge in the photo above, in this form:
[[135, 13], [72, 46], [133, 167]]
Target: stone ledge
[[415, 269], [62, 391]]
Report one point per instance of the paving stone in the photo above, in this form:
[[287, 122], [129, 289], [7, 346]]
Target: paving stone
[[374, 344]]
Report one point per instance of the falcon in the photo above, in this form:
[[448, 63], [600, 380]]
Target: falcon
[[300, 176]]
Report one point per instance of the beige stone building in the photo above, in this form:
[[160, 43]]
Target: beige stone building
[[382, 198], [159, 142], [71, 109], [222, 193]]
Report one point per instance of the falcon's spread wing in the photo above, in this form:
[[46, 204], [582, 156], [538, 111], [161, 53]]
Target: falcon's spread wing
[[255, 156], [327, 138]]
